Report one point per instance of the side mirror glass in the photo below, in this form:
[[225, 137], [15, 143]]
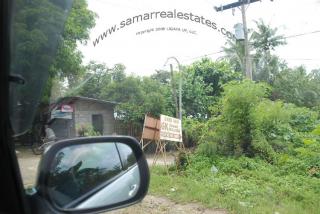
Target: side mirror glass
[[93, 174]]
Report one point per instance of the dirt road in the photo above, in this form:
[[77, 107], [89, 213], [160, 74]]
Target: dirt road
[[161, 205], [150, 204]]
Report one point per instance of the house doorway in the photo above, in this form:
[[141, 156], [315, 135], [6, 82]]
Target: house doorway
[[97, 123]]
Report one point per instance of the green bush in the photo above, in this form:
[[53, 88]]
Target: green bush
[[194, 130], [208, 149], [310, 156], [249, 124], [291, 165], [262, 148], [86, 130], [301, 119], [234, 127], [181, 161], [199, 166], [305, 159], [271, 127], [271, 120]]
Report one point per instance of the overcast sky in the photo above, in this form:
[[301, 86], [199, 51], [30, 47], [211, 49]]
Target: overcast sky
[[143, 54]]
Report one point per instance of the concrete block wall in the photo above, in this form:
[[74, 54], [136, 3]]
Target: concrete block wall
[[83, 111]]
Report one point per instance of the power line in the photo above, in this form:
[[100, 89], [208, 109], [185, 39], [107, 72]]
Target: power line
[[202, 56], [286, 37], [290, 59], [302, 34], [298, 59]]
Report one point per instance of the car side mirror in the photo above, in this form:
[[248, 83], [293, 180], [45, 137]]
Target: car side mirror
[[93, 174]]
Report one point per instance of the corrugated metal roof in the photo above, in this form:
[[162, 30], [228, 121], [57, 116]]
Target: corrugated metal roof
[[74, 98]]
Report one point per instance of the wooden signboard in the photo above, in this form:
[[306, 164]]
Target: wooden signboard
[[171, 129], [160, 131], [151, 128]]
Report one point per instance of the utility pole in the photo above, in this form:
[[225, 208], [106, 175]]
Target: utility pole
[[248, 67], [242, 3]]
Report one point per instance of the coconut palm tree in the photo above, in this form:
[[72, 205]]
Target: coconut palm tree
[[263, 41], [234, 51], [265, 38]]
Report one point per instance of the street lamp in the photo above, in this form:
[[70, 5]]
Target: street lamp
[[180, 85]]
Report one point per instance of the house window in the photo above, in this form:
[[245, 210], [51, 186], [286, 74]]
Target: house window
[[97, 123]]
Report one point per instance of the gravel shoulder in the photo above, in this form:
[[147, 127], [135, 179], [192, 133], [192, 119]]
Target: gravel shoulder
[[161, 205]]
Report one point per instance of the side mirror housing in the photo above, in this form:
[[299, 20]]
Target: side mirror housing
[[93, 174]]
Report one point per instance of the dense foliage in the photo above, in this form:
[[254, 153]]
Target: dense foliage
[[257, 142], [248, 123], [137, 96], [67, 65], [298, 87]]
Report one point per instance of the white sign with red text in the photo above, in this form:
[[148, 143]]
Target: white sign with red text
[[170, 129], [66, 108]]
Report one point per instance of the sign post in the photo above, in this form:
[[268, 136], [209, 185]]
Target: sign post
[[161, 131]]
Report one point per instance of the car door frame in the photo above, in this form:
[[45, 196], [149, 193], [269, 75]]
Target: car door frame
[[13, 198]]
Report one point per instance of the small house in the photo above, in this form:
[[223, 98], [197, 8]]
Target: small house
[[68, 114]]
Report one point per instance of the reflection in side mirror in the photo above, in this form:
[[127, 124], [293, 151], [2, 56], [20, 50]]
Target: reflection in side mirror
[[91, 174]]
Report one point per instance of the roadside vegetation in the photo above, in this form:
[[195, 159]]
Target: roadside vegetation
[[254, 156], [241, 185], [256, 142]]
